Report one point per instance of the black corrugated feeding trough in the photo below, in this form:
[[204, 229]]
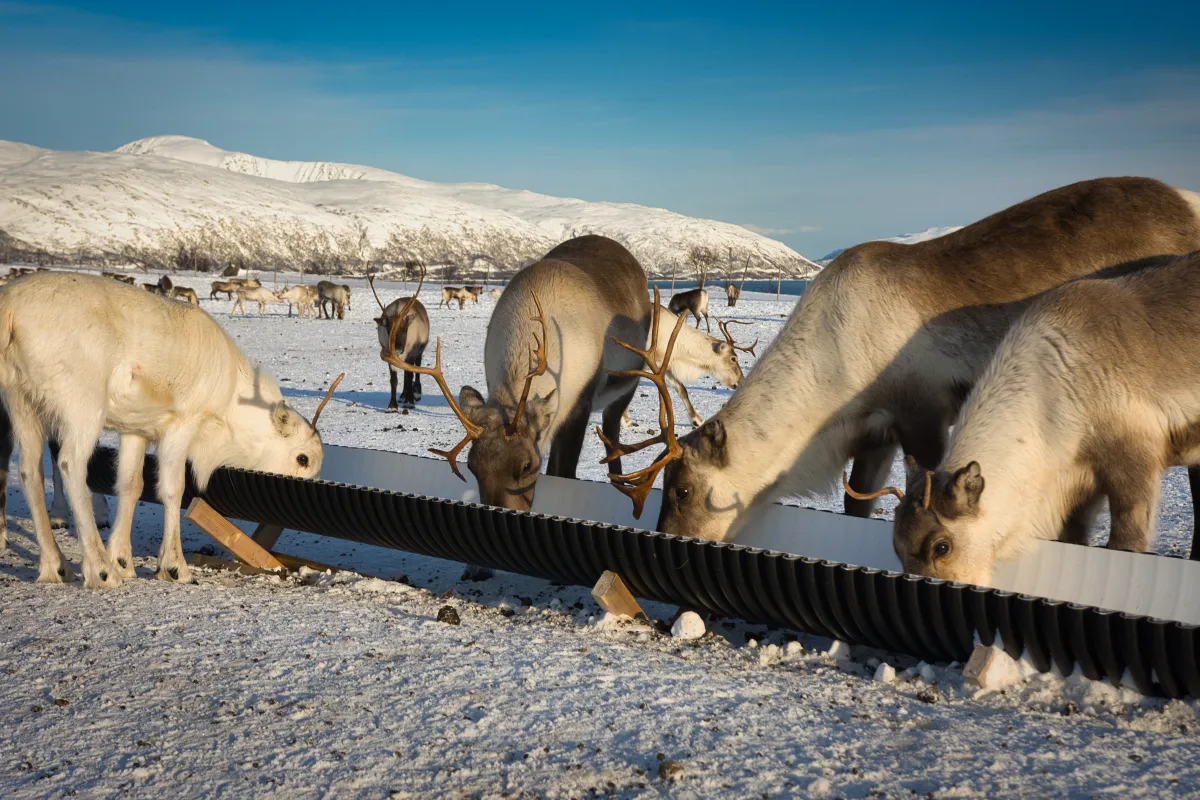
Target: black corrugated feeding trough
[[1118, 617]]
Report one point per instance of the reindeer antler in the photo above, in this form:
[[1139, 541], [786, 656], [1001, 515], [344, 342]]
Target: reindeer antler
[[407, 306], [636, 485], [724, 326], [893, 490], [538, 350], [328, 394], [371, 283], [473, 430]]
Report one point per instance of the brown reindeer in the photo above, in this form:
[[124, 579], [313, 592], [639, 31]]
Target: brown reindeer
[[1094, 392], [550, 360], [452, 293], [403, 330], [336, 295], [694, 302], [888, 340], [227, 288]]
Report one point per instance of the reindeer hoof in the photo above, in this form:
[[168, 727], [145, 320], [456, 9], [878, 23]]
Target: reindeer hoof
[[58, 523], [174, 573], [393, 409]]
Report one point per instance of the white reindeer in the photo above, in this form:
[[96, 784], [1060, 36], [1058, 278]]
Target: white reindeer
[[696, 355], [255, 294], [153, 370], [305, 298]]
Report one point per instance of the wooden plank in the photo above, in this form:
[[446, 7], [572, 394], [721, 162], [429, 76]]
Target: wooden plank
[[206, 518], [615, 598], [266, 535]]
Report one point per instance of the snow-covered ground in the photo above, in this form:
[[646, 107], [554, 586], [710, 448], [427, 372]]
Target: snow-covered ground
[[316, 685]]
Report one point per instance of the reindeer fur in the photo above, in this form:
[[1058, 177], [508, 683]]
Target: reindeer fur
[[155, 371], [883, 348]]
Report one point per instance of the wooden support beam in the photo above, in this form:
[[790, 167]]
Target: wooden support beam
[[266, 535], [206, 518], [294, 563], [615, 598]]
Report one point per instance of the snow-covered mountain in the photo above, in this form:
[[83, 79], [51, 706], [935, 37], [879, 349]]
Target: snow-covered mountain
[[157, 197], [908, 238]]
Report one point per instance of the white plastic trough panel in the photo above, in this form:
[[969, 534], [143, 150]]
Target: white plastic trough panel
[[1153, 586]]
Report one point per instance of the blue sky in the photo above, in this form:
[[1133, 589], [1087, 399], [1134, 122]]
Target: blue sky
[[822, 125]]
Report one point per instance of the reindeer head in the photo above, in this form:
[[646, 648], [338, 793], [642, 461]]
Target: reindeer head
[[695, 500], [728, 370], [935, 532], [506, 457], [265, 435]]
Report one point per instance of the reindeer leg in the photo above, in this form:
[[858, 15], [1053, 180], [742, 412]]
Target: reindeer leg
[[707, 326], [52, 566], [1078, 526], [417, 356], [392, 405], [871, 468], [568, 442], [6, 448], [172, 461], [1133, 504], [610, 420], [682, 391], [78, 443], [58, 506], [130, 458]]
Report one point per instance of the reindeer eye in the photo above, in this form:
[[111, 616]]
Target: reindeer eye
[[681, 493], [525, 469], [941, 549], [302, 460]]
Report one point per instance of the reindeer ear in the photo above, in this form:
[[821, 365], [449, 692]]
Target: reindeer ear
[[716, 346], [286, 422], [541, 411], [711, 442], [965, 488], [470, 401]]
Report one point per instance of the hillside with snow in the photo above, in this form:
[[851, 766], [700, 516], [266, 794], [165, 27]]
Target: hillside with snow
[[174, 200]]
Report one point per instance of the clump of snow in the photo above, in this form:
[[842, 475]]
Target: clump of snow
[[838, 650], [885, 673], [688, 625]]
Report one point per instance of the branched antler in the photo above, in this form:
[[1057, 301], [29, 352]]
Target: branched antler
[[324, 402], [473, 431], [724, 326], [636, 485], [538, 351]]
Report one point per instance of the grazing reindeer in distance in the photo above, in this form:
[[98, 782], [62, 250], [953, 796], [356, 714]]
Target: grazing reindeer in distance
[[697, 354], [694, 302], [1091, 394], [338, 297], [884, 346], [565, 308], [473, 292], [255, 294], [406, 322], [732, 295], [228, 288], [452, 293], [163, 373], [184, 294], [305, 299]]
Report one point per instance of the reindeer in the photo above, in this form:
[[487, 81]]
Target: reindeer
[[129, 279], [564, 308], [249, 283], [303, 297], [409, 338], [883, 348], [697, 355], [1094, 392], [733, 293], [473, 292], [255, 294], [694, 302], [184, 294], [337, 295], [152, 288], [452, 293], [223, 287], [162, 373]]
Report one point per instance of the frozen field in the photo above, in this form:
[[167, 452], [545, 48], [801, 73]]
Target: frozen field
[[347, 686]]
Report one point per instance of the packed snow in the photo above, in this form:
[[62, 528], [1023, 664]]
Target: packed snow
[[366, 685], [153, 195]]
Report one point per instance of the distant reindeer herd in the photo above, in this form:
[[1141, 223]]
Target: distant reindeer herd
[[1057, 338]]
